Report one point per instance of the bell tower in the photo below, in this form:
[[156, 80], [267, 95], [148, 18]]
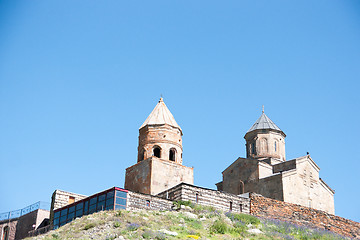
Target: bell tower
[[159, 161], [160, 136], [265, 140]]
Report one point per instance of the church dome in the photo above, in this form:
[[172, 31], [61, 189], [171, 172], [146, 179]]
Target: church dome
[[264, 123], [161, 115]]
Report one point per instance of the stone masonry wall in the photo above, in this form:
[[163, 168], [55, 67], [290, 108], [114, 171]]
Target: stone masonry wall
[[207, 197], [26, 222], [12, 228], [148, 202], [60, 199], [296, 214]]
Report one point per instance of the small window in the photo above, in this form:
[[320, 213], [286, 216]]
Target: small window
[[6, 233], [253, 148], [241, 207], [121, 201], [172, 154], [121, 194], [230, 206], [157, 152], [148, 203], [93, 200], [110, 195], [79, 213], [71, 199], [79, 206], [275, 146], [197, 198], [102, 197], [72, 209], [64, 212], [57, 214]]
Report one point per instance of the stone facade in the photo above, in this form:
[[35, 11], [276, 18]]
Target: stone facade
[[8, 228], [154, 175], [164, 137], [159, 165], [300, 215], [207, 197], [62, 198], [266, 172], [264, 144], [20, 227], [144, 201]]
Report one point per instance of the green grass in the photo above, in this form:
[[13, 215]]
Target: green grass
[[89, 225], [147, 225]]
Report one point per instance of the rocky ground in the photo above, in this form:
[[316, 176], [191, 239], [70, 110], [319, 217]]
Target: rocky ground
[[186, 222]]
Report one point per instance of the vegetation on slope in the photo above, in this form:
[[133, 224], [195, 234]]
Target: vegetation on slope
[[189, 222]]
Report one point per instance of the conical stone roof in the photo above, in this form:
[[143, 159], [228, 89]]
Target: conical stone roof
[[161, 115], [264, 122]]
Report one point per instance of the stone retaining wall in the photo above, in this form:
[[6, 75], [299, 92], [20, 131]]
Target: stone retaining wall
[[207, 197], [296, 214], [148, 202]]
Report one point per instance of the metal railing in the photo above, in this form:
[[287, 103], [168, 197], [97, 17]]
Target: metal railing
[[39, 231], [25, 210]]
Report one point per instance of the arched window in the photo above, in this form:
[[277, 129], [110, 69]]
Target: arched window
[[157, 151], [253, 148], [172, 154], [5, 235], [241, 187]]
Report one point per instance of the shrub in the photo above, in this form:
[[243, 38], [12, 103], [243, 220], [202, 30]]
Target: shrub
[[196, 224], [55, 236], [89, 225], [185, 203], [133, 226], [117, 224], [219, 226], [239, 227], [241, 217], [160, 236], [148, 234]]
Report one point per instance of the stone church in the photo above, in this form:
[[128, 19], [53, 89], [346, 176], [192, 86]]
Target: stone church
[[264, 170], [159, 164]]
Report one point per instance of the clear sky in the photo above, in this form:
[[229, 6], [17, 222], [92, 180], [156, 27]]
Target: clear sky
[[78, 78]]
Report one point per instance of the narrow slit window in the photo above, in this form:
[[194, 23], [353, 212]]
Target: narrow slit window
[[230, 206], [253, 148]]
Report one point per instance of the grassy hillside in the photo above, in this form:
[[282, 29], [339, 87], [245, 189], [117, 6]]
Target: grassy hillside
[[195, 222]]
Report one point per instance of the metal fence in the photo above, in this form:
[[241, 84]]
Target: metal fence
[[25, 210]]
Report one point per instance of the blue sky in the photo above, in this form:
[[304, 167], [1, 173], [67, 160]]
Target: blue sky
[[78, 78]]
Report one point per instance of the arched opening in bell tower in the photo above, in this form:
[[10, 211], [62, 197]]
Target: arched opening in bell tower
[[172, 154], [157, 151]]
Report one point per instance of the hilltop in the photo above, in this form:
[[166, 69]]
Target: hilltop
[[187, 222]]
